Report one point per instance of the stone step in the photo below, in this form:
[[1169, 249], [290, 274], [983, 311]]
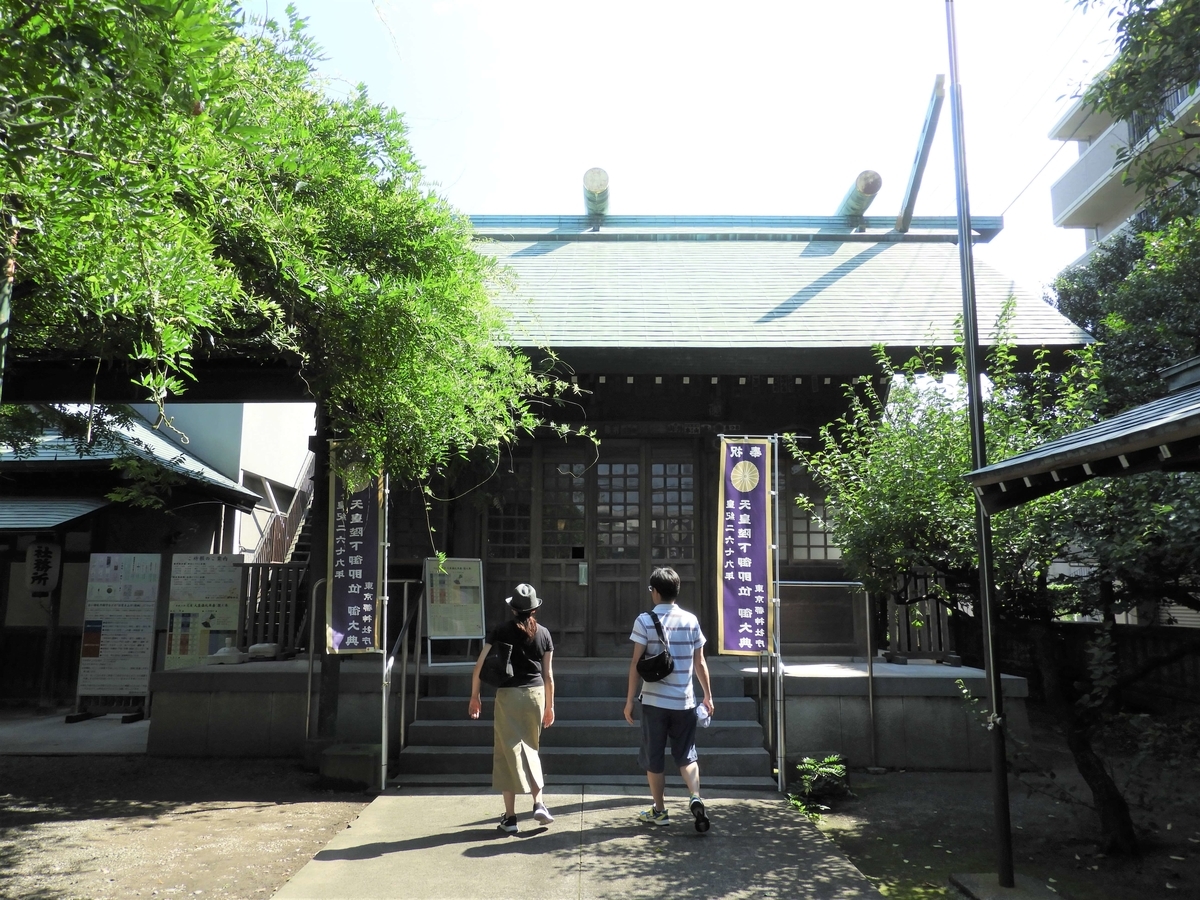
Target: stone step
[[708, 783], [581, 684], [579, 761], [579, 733], [443, 708]]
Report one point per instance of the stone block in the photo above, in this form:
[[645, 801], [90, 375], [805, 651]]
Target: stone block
[[890, 732], [813, 725], [354, 765], [313, 748], [359, 717], [179, 725], [856, 731], [287, 725], [240, 725], [935, 733]]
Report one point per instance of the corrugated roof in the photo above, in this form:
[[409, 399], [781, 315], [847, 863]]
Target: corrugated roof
[[143, 441], [1157, 435], [758, 295], [43, 513]]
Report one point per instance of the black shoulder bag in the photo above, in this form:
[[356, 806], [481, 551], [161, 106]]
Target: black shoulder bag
[[660, 665], [497, 665]]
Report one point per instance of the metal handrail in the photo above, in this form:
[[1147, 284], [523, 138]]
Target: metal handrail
[[312, 638], [779, 723], [401, 646]]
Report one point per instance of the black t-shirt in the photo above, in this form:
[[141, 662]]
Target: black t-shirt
[[527, 653]]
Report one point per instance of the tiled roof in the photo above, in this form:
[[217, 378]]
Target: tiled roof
[[756, 295], [143, 441], [42, 513], [1161, 434]]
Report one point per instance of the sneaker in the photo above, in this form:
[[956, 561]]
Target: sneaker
[[697, 807], [542, 814], [508, 824], [654, 816]]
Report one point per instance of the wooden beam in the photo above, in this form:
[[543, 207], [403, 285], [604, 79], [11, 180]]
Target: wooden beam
[[904, 220]]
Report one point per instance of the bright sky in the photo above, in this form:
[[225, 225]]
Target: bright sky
[[767, 108]]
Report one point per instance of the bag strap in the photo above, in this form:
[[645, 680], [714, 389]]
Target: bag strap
[[662, 638]]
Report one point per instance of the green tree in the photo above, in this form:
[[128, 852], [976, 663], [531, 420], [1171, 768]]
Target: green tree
[[185, 188], [1136, 294], [893, 476]]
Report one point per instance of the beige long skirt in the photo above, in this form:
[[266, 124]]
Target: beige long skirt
[[516, 766]]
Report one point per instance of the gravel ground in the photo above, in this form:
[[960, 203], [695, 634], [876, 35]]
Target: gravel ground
[[96, 828], [134, 826], [908, 831]]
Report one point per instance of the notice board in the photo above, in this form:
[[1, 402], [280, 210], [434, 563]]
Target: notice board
[[454, 598], [206, 589], [118, 625]]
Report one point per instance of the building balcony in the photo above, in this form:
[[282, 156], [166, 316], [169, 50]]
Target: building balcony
[[1091, 193]]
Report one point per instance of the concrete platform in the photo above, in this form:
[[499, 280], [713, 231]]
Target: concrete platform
[[438, 845], [987, 887], [921, 721], [23, 734]]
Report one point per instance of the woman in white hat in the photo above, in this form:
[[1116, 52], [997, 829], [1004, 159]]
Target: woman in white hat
[[524, 706]]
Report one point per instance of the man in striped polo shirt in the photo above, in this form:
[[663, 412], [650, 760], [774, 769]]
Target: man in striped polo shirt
[[669, 706]]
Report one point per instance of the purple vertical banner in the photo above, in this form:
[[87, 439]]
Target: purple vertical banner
[[745, 574], [354, 585]]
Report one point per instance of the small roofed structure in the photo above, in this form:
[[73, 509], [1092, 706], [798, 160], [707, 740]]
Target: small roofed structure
[[1158, 436]]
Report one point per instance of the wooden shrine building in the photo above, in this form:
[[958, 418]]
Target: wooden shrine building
[[676, 330]]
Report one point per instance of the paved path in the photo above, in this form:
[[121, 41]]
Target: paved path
[[27, 734], [439, 844]]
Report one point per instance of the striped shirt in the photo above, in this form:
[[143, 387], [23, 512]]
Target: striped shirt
[[684, 638]]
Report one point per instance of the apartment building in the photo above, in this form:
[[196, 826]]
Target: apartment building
[[1093, 193]]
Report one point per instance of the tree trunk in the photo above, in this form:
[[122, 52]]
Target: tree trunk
[[1116, 824], [6, 288]]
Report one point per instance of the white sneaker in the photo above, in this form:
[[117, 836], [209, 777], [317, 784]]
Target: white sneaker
[[542, 814]]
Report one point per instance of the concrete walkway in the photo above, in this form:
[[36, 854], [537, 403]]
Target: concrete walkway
[[29, 734], [439, 844]]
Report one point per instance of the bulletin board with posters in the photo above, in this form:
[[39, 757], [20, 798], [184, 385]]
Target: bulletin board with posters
[[202, 611], [118, 628], [453, 601]]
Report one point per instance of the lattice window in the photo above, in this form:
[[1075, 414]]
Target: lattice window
[[809, 539], [618, 510], [563, 510], [803, 537], [509, 512], [673, 511]]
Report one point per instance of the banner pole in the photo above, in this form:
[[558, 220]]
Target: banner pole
[[383, 637], [777, 625], [983, 529]]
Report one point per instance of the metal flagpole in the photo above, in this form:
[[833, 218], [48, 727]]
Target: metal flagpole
[[383, 638], [780, 698], [987, 588]]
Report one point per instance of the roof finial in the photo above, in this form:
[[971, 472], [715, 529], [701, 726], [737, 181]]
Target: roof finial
[[595, 193]]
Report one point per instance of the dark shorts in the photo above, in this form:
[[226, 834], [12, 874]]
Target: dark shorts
[[658, 724]]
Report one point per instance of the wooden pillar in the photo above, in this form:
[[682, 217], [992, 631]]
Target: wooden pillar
[[331, 664]]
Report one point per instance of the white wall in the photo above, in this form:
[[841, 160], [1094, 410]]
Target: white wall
[[214, 432], [275, 438]]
